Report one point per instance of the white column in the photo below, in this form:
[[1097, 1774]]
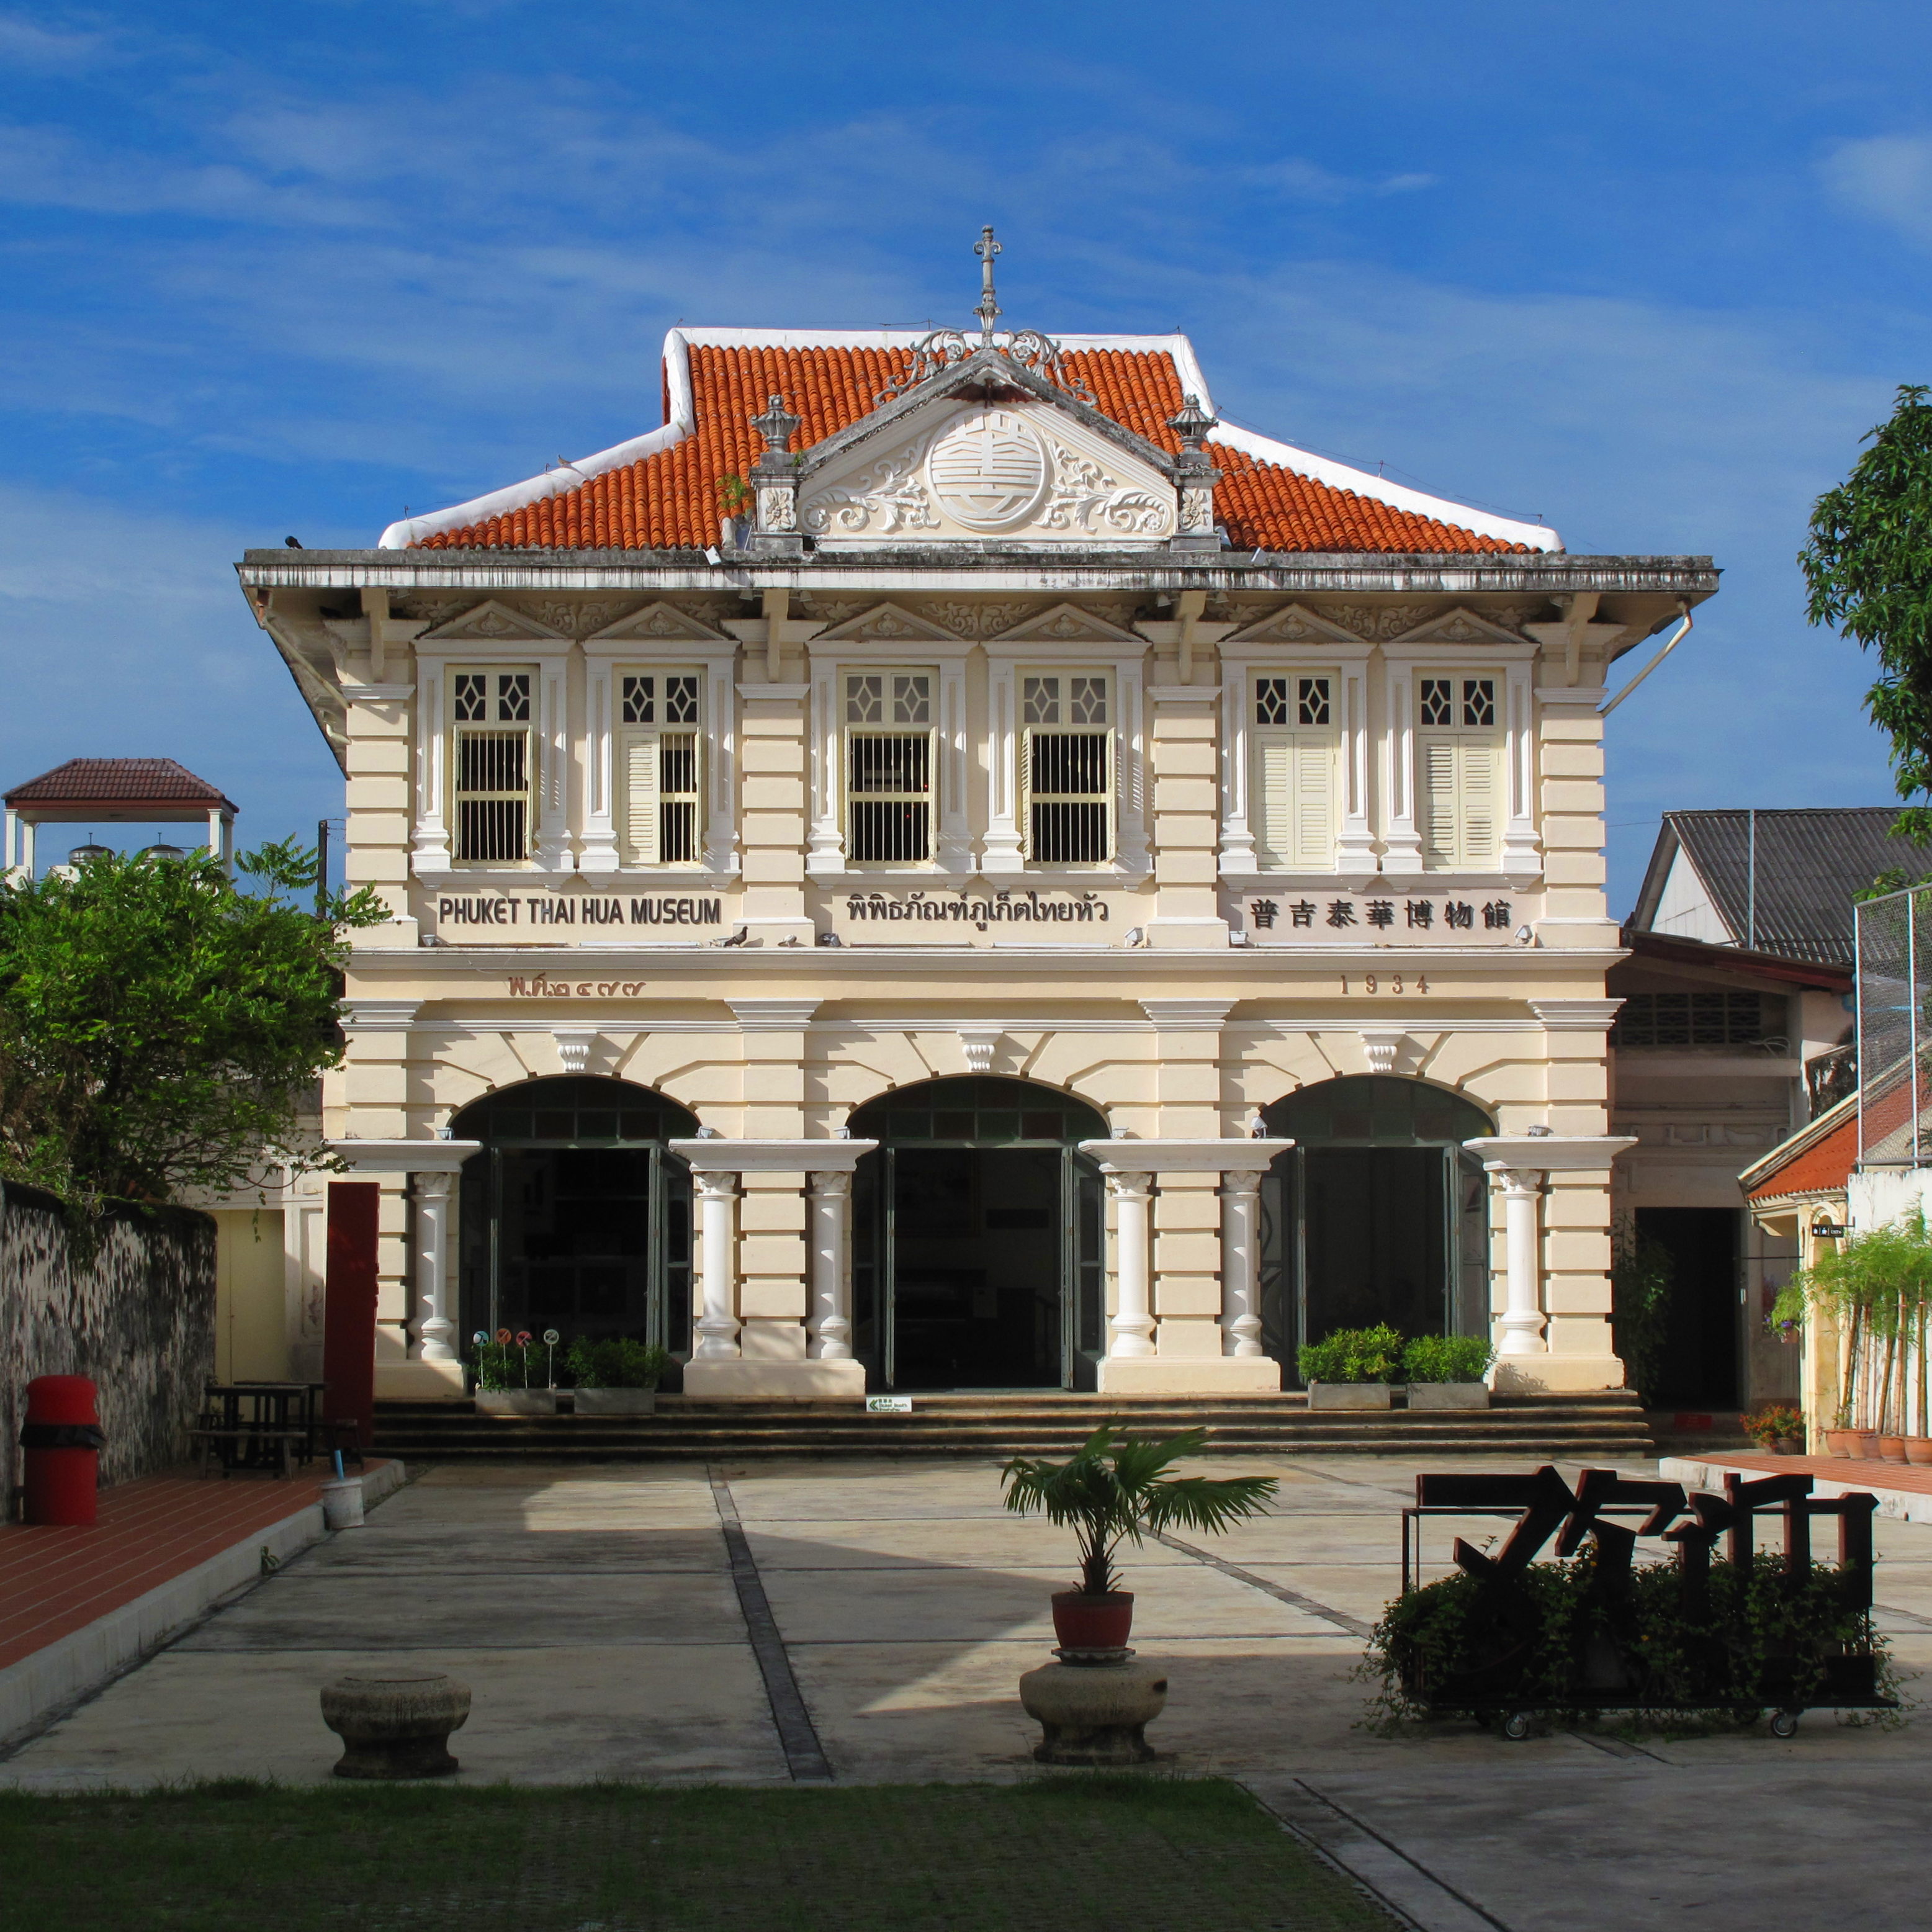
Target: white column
[[1240, 1310], [1001, 851], [830, 1328], [1132, 1327], [551, 850], [437, 1329], [1522, 1314], [718, 1325]]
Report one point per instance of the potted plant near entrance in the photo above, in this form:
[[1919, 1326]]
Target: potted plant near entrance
[[1778, 1430], [1446, 1371], [615, 1375], [1116, 1490], [506, 1366], [1350, 1368]]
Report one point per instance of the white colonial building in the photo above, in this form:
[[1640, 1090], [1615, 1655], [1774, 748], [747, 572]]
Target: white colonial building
[[943, 866]]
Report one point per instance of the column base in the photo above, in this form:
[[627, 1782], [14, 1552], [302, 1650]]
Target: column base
[[1186, 1374], [1556, 1375], [774, 1381], [419, 1381]]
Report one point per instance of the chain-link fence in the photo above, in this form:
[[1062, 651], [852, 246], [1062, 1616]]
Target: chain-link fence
[[1894, 981]]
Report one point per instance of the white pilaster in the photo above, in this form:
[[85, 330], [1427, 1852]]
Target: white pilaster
[[436, 1329], [831, 1324], [717, 1263], [1132, 1327], [1240, 1308], [1522, 1312]]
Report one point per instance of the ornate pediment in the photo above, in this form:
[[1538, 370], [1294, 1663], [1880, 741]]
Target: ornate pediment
[[492, 621], [981, 471], [1294, 624], [1459, 626], [658, 623], [1068, 624], [884, 623]]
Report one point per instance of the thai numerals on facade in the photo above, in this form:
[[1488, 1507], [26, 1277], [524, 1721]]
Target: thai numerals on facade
[[545, 912]]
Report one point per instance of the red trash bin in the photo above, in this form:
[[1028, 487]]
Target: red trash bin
[[61, 1437]]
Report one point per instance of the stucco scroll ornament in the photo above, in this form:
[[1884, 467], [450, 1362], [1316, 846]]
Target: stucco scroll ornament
[[1086, 498], [945, 347], [889, 490]]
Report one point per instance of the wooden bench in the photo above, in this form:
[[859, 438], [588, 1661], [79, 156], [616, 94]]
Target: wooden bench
[[211, 1436]]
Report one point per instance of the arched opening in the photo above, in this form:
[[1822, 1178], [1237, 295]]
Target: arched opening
[[977, 1238], [1378, 1213], [575, 1215]]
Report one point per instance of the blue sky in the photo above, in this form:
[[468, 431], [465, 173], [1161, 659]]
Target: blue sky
[[1646, 272]]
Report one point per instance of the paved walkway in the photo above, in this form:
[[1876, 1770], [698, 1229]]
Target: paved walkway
[[609, 1621]]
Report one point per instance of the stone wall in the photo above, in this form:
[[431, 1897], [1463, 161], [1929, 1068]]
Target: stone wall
[[136, 1316]]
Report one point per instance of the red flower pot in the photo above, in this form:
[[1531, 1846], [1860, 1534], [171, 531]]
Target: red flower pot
[[1891, 1448], [1081, 1622]]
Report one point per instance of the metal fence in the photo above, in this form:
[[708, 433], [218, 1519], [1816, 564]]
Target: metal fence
[[1894, 982]]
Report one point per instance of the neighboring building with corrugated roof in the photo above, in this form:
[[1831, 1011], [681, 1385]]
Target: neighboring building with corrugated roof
[[938, 814], [1779, 882]]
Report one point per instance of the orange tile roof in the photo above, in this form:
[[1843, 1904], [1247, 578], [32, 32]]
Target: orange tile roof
[[669, 500], [1824, 1166]]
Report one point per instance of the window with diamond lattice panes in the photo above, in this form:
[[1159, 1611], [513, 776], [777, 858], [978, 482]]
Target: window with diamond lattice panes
[[657, 758], [1460, 776], [1296, 746], [889, 767], [492, 762], [1067, 768]]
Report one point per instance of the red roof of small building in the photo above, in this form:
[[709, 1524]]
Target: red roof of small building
[[117, 781], [667, 499], [1823, 1167]]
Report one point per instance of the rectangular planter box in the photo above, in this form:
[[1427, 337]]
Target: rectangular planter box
[[615, 1402], [1348, 1395], [1448, 1395], [516, 1401]]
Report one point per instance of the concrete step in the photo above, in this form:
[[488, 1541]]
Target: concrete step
[[1606, 1424]]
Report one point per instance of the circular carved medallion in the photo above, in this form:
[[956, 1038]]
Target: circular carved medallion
[[989, 470]]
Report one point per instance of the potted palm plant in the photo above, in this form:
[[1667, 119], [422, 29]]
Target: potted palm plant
[[1116, 1490], [1446, 1371], [615, 1375], [1350, 1368]]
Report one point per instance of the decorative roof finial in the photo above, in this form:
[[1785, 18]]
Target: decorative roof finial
[[777, 426], [988, 310], [1192, 425]]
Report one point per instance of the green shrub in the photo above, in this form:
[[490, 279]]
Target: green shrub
[[616, 1362], [1448, 1358], [1352, 1355]]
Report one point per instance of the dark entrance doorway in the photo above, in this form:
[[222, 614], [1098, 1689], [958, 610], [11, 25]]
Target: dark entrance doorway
[[575, 1216], [1376, 1214], [1699, 1366], [977, 1238]]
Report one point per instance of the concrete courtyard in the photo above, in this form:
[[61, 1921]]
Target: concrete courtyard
[[868, 1621]]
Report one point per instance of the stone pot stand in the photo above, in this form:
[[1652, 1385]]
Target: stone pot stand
[[397, 1726]]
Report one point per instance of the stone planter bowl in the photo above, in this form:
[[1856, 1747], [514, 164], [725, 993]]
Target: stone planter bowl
[[1348, 1395], [615, 1402], [516, 1401], [1094, 1716], [398, 1726], [1448, 1395]]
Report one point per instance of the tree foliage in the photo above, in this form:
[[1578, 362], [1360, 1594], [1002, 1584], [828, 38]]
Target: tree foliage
[[1868, 569], [160, 1031]]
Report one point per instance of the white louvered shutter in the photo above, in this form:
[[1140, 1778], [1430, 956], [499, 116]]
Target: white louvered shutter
[[639, 779], [1460, 754], [1294, 787], [1479, 786]]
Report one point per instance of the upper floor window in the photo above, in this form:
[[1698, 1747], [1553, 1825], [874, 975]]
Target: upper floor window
[[1066, 758], [1459, 773], [492, 763], [889, 767], [1690, 1019], [1295, 743], [658, 752]]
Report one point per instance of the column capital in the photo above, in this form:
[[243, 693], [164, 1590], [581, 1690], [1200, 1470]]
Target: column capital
[[831, 1183], [715, 1184], [728, 1156]]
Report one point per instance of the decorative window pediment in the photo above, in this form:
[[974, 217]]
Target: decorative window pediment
[[1459, 626], [492, 621], [885, 623], [1068, 624], [658, 623], [1293, 624]]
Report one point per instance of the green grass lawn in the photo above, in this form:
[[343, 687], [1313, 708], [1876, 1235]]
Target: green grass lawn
[[1093, 1854]]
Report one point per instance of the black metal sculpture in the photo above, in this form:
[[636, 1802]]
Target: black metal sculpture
[[1496, 1674]]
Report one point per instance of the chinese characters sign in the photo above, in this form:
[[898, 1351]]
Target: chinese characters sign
[[1396, 919]]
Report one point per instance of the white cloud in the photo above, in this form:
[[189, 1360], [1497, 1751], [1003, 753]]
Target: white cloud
[[25, 43], [1888, 177]]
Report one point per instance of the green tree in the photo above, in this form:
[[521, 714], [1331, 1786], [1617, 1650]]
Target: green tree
[[160, 1031], [1868, 569]]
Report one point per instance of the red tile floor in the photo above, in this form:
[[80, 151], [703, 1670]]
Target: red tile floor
[[54, 1581], [1916, 1478]]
